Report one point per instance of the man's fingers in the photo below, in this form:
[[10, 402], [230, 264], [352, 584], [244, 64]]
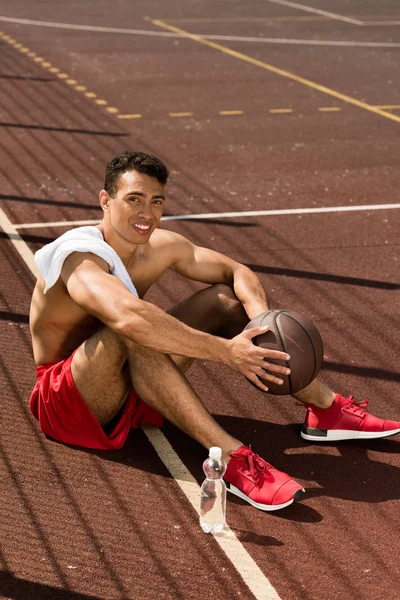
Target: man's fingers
[[275, 368], [254, 379], [255, 331], [277, 354], [265, 375]]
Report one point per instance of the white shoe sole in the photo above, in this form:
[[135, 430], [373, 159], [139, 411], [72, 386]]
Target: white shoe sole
[[266, 507], [335, 435]]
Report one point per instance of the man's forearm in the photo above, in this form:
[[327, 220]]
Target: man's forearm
[[249, 291], [150, 326]]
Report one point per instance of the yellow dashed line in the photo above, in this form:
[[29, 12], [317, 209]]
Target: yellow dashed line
[[328, 108], [273, 69], [133, 116], [280, 110], [226, 113], [113, 110], [180, 114]]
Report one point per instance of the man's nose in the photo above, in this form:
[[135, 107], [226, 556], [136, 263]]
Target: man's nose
[[146, 212]]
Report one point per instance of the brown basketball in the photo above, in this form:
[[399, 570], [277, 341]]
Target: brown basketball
[[293, 333]]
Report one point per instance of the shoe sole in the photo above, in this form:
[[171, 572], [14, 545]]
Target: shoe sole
[[265, 507], [335, 435]]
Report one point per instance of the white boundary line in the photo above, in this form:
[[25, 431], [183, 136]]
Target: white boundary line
[[255, 579], [227, 215], [381, 23], [297, 41], [317, 11], [232, 38], [246, 567], [21, 246]]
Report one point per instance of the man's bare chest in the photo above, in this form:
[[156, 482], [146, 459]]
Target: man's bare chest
[[147, 270]]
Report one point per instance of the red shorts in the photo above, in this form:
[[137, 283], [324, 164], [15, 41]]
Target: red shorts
[[64, 416]]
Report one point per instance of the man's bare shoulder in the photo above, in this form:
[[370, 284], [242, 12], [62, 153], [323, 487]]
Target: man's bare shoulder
[[82, 260], [168, 237], [169, 240]]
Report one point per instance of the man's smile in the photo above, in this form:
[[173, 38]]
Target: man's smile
[[141, 228]]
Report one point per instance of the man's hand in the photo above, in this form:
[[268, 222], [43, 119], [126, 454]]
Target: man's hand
[[252, 361]]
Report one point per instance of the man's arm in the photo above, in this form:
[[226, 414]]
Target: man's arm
[[102, 295], [208, 266]]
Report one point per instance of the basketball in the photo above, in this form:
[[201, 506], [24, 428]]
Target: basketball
[[296, 335]]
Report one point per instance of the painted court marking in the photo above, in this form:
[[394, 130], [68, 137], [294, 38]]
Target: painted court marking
[[246, 567], [317, 11], [20, 245], [276, 70], [255, 579], [226, 215], [180, 114], [232, 38]]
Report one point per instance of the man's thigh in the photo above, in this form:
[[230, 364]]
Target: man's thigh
[[100, 372], [214, 310]]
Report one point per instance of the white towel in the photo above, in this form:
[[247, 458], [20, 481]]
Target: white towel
[[50, 258]]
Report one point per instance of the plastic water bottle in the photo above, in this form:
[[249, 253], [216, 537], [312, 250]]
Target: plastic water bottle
[[213, 493]]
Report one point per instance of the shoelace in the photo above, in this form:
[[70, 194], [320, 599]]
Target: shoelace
[[356, 407], [255, 464]]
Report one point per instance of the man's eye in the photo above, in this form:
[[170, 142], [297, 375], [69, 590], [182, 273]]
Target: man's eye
[[158, 202]]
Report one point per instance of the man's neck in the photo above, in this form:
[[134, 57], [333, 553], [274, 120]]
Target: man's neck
[[125, 250]]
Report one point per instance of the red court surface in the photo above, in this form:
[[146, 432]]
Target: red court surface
[[257, 106]]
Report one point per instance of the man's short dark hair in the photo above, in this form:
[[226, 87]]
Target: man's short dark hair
[[133, 161]]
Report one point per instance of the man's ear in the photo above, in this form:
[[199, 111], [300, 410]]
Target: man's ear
[[104, 200]]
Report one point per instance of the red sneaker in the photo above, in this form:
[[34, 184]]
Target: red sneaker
[[345, 420], [253, 479]]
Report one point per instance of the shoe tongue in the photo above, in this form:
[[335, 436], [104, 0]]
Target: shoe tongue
[[242, 451]]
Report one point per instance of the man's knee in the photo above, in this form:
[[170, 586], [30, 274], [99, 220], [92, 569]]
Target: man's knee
[[227, 298], [233, 317]]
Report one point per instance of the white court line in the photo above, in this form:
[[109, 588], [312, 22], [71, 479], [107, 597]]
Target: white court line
[[246, 567], [294, 41], [255, 579], [20, 245], [227, 215], [85, 27], [317, 11], [381, 23], [228, 38]]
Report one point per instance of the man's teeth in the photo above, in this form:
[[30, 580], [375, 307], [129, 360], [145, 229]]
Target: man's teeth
[[142, 226]]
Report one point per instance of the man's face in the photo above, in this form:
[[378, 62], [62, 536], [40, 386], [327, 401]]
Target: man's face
[[137, 207]]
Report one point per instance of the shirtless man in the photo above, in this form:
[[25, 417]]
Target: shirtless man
[[97, 346]]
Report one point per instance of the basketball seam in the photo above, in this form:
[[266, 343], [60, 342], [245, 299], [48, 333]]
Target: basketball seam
[[311, 342], [283, 345], [265, 315]]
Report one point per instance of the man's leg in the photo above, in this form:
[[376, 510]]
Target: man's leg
[[105, 368], [316, 393], [332, 417], [214, 310]]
